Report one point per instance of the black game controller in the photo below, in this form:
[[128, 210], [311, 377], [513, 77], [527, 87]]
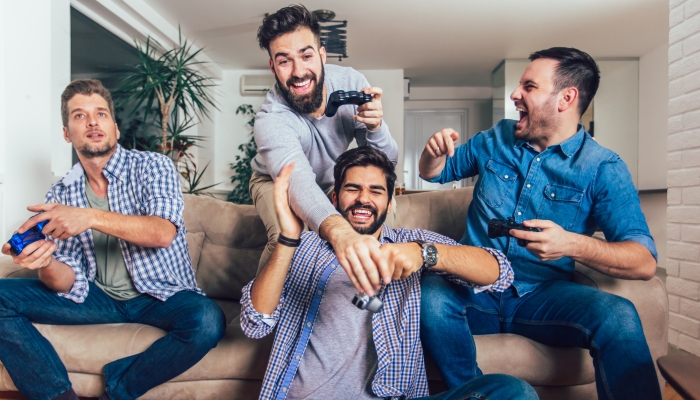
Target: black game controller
[[501, 227], [341, 98]]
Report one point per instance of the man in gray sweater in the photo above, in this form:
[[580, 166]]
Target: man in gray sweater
[[291, 127]]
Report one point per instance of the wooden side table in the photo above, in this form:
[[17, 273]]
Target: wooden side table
[[682, 372]]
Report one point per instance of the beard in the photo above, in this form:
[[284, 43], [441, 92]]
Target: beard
[[94, 151], [538, 122], [308, 103], [373, 227]]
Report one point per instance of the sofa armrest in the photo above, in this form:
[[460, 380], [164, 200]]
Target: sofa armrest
[[8, 269], [649, 298]]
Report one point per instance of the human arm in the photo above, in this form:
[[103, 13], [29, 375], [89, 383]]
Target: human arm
[[267, 287], [484, 269], [38, 256], [67, 221], [442, 162]]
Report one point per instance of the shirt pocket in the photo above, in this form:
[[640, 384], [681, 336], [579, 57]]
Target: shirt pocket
[[497, 183], [560, 205]]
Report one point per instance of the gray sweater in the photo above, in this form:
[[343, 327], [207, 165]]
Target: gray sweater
[[284, 136]]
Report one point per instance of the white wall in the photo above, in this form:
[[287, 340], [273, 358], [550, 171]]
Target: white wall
[[231, 130], [653, 118], [34, 69]]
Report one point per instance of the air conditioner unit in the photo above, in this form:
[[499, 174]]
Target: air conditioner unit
[[256, 85]]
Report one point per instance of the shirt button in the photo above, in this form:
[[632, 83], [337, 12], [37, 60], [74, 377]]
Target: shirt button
[[297, 357], [308, 324], [505, 176], [319, 292], [528, 185], [538, 159], [552, 194], [284, 390], [519, 213]]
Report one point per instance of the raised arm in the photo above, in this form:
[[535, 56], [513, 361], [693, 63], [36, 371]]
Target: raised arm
[[267, 289]]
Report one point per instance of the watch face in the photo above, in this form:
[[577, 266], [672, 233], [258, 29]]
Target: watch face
[[431, 255]]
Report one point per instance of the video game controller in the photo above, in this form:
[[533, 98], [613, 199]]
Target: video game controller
[[364, 302], [341, 98], [501, 227], [19, 241]]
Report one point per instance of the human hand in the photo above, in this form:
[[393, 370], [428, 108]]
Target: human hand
[[551, 244], [404, 259], [64, 221], [36, 255], [363, 261], [290, 224], [371, 113], [442, 143]]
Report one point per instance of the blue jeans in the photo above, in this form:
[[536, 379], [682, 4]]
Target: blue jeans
[[194, 323], [493, 386], [556, 313]]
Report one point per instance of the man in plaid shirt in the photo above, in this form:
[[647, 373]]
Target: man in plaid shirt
[[325, 347], [118, 255]]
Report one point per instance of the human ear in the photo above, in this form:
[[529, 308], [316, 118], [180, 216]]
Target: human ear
[[568, 98]]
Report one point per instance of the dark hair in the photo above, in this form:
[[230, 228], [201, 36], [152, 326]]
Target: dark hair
[[364, 156], [576, 69], [286, 20], [85, 87]]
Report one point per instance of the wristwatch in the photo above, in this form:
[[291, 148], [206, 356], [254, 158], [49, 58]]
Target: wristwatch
[[429, 253]]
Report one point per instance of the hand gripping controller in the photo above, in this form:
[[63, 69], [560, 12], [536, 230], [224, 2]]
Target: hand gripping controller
[[19, 241], [341, 98], [501, 227]]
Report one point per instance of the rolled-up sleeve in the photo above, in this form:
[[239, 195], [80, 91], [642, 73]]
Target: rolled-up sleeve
[[617, 209], [163, 192], [255, 324], [69, 252]]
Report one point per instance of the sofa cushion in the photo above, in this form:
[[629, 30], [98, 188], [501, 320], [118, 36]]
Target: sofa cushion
[[230, 250], [194, 244], [443, 212]]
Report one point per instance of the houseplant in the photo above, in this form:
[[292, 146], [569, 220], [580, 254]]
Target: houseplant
[[242, 170]]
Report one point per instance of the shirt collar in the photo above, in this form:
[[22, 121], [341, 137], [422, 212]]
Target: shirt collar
[[115, 167], [569, 147], [388, 235]]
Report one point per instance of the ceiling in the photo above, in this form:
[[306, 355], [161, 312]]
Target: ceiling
[[437, 42]]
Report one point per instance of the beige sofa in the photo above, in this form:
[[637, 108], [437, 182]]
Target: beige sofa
[[225, 242]]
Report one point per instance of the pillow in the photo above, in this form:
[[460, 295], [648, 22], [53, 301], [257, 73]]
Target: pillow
[[194, 243]]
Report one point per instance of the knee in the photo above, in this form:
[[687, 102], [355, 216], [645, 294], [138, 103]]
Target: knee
[[438, 297], [619, 316], [208, 324]]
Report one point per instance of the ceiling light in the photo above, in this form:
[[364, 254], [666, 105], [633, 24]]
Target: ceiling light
[[332, 35]]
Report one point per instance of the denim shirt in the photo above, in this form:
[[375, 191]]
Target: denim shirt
[[577, 184]]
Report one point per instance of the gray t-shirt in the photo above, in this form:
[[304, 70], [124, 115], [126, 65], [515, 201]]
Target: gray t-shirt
[[340, 360], [111, 273], [283, 136]]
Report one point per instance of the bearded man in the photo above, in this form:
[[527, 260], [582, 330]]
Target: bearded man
[[291, 127], [546, 172]]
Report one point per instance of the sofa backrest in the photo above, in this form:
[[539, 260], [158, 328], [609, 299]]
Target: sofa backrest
[[226, 239]]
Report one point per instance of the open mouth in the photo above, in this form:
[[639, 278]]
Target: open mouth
[[523, 117], [301, 87], [95, 135], [362, 214]]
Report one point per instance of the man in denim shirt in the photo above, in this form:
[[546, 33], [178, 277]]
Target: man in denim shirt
[[545, 171]]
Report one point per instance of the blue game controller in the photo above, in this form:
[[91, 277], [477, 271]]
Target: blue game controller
[[19, 241]]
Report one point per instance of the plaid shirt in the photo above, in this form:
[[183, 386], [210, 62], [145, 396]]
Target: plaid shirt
[[140, 183], [396, 329]]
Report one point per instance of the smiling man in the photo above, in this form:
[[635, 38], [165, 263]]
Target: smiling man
[[291, 127], [546, 172], [325, 347], [118, 255]]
